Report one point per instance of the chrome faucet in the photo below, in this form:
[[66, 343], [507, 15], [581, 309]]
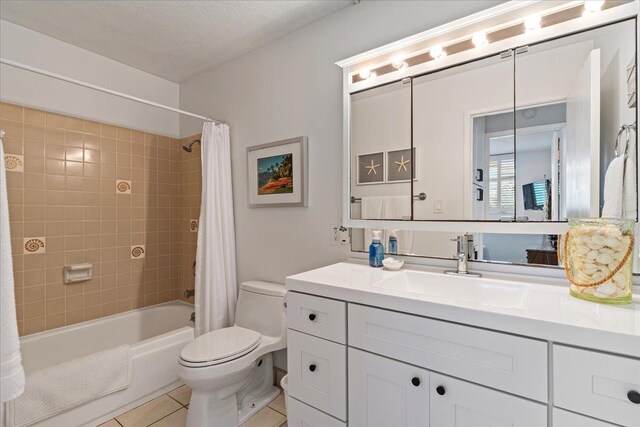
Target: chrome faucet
[[464, 247]]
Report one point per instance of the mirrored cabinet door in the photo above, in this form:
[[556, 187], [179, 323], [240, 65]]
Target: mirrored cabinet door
[[462, 119], [381, 163], [571, 102]]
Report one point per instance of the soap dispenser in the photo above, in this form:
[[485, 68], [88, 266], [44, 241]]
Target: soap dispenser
[[393, 242], [376, 250]]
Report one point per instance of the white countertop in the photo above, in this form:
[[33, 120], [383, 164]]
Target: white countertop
[[535, 310]]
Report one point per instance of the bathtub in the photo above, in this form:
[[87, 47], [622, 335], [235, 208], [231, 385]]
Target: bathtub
[[156, 335]]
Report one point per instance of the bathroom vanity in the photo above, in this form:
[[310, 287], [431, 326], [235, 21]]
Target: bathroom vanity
[[415, 347]]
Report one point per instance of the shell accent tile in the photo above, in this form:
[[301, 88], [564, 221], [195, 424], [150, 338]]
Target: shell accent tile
[[123, 187], [193, 225], [14, 162], [137, 251], [33, 245]]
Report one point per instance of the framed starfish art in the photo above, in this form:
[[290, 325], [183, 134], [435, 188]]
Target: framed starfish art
[[371, 168], [401, 165]]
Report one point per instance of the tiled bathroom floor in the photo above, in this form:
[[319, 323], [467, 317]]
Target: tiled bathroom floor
[[170, 410]]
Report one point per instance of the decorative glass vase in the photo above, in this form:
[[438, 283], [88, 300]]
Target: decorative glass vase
[[597, 258]]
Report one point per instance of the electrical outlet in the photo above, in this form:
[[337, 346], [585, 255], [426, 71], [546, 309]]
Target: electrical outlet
[[340, 235]]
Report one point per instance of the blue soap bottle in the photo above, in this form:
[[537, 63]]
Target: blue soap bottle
[[393, 243], [376, 250]]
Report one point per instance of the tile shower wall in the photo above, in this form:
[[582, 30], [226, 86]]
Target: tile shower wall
[[191, 189], [86, 192]]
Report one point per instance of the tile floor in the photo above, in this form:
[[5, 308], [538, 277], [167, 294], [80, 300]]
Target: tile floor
[[170, 410]]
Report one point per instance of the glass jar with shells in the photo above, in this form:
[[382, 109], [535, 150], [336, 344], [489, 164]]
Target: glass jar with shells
[[596, 254]]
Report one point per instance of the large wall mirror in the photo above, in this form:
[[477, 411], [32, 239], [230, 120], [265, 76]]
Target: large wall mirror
[[525, 135]]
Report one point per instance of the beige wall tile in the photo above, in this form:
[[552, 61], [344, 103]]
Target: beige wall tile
[[66, 194]]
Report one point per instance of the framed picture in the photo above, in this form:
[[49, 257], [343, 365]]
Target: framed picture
[[277, 173], [370, 168], [401, 166]]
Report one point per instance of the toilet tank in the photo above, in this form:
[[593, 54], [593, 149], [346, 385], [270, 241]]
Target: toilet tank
[[261, 308]]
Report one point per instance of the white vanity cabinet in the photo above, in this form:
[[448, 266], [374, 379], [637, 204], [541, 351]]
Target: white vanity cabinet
[[384, 392], [363, 361]]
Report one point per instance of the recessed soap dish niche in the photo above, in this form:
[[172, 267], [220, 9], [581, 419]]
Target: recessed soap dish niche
[[77, 273]]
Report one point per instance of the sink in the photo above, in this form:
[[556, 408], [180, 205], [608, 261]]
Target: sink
[[471, 291]]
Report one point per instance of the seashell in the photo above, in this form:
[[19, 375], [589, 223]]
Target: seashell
[[589, 268], [613, 243], [598, 240], [592, 255], [607, 289], [606, 251], [582, 250], [585, 238], [589, 291], [604, 259], [594, 246]]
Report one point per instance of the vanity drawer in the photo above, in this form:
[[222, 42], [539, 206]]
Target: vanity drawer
[[506, 362], [596, 384], [302, 415], [318, 373], [562, 418], [321, 317]]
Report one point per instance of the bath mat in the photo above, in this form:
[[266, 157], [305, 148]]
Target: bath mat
[[56, 389]]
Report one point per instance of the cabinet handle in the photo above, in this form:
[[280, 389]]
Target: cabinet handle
[[312, 317], [312, 368], [415, 381], [440, 390], [634, 397]]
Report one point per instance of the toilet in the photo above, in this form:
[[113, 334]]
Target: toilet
[[230, 370]]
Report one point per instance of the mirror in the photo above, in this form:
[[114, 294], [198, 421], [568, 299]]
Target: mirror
[[381, 161], [524, 137]]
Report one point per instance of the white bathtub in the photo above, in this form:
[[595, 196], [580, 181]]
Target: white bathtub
[[156, 335]]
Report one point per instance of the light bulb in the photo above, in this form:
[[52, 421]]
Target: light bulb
[[480, 39], [365, 73], [399, 63], [593, 5], [437, 52], [372, 75], [532, 23]]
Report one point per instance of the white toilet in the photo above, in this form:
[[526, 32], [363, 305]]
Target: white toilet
[[230, 370]]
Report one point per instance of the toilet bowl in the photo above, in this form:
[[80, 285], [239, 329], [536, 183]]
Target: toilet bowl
[[230, 370]]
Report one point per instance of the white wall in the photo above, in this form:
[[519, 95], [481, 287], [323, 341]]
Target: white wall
[[289, 88], [25, 88]]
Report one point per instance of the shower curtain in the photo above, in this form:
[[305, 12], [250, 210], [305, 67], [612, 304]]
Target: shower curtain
[[216, 288], [11, 371]]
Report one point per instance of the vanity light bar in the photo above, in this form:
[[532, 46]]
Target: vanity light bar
[[530, 23]]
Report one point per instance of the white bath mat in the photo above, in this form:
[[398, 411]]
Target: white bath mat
[[59, 388]]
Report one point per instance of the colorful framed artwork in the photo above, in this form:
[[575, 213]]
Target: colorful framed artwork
[[401, 166], [370, 168], [277, 173]]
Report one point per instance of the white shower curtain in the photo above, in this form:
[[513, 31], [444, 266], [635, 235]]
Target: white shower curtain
[[11, 371], [216, 288]]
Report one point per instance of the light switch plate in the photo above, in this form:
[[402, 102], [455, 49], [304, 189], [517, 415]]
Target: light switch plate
[[438, 206]]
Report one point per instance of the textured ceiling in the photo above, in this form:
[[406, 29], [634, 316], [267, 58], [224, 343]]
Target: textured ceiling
[[171, 39]]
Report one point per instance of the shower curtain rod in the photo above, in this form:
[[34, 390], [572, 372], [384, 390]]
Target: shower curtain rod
[[103, 89]]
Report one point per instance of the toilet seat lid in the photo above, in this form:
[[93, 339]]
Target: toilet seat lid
[[220, 345]]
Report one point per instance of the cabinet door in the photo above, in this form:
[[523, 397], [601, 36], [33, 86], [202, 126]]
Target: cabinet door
[[456, 403], [383, 392]]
